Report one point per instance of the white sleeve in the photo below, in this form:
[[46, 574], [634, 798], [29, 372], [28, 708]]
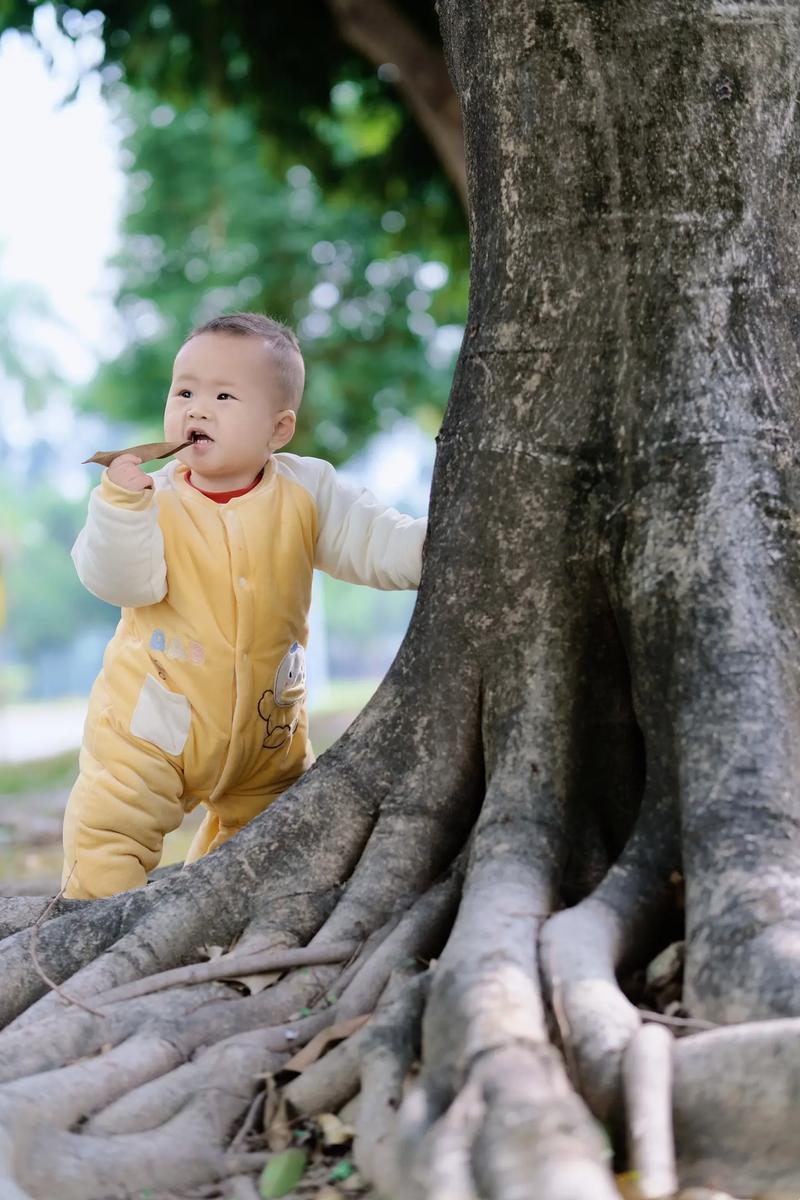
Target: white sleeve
[[363, 541], [119, 553]]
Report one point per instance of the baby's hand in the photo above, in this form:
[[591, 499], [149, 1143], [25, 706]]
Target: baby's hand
[[124, 471]]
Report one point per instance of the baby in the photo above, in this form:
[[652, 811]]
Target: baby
[[201, 699]]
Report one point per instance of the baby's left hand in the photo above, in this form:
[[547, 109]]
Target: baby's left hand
[[125, 473]]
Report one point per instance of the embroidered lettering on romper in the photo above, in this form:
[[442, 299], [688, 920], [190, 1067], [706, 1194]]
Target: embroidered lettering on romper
[[176, 649]]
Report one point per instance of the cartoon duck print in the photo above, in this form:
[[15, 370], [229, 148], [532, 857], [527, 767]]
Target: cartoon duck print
[[279, 706]]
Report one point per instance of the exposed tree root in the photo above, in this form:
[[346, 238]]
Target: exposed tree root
[[149, 1088], [439, 1149], [388, 1049], [485, 1008], [734, 1091], [18, 913], [84, 1167], [584, 947], [242, 1187], [232, 966], [647, 1074], [493, 1105]]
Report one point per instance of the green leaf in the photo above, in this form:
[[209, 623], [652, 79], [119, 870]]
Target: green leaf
[[342, 1170], [282, 1173]]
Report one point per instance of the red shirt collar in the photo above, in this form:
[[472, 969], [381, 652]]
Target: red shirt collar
[[224, 497]]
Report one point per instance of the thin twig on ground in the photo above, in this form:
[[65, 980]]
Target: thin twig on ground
[[51, 983], [251, 1116], [687, 1023]]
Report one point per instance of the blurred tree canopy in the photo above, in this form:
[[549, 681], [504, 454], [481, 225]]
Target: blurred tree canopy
[[47, 606], [47, 603], [273, 168], [279, 61], [25, 358], [214, 226]]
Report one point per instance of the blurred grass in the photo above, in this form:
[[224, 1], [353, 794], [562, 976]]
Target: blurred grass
[[343, 695], [34, 871], [39, 775]]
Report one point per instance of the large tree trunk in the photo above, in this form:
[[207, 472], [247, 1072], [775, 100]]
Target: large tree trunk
[[599, 690]]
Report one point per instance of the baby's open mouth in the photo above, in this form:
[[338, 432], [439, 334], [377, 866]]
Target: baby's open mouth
[[195, 436]]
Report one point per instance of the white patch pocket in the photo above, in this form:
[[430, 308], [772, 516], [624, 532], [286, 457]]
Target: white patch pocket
[[161, 717]]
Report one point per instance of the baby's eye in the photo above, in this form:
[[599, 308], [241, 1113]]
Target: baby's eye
[[225, 396], [184, 392]]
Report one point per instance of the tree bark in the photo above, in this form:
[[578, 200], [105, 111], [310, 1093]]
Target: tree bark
[[598, 695]]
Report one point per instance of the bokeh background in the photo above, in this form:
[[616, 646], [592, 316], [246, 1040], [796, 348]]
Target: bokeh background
[[162, 163]]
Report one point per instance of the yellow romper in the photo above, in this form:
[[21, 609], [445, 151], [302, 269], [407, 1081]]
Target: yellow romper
[[201, 698]]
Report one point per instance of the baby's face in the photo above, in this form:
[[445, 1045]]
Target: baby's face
[[224, 395]]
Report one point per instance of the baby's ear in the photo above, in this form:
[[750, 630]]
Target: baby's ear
[[283, 429]]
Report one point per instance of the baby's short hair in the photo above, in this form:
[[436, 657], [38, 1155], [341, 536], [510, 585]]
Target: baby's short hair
[[281, 340]]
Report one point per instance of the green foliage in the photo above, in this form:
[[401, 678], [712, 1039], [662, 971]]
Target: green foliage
[[266, 158], [41, 775], [351, 612], [47, 603], [281, 62], [282, 1173], [269, 168], [24, 356], [215, 224]]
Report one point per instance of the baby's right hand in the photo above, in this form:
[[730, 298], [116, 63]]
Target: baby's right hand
[[124, 471]]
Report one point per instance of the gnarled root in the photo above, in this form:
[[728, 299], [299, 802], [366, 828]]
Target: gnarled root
[[493, 1113], [49, 1159], [584, 947], [735, 1093], [647, 1075]]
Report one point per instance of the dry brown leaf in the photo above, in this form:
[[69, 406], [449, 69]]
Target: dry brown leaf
[[334, 1033], [666, 967], [277, 1129], [211, 952], [256, 983], [146, 452], [628, 1185], [271, 1098], [334, 1131]]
